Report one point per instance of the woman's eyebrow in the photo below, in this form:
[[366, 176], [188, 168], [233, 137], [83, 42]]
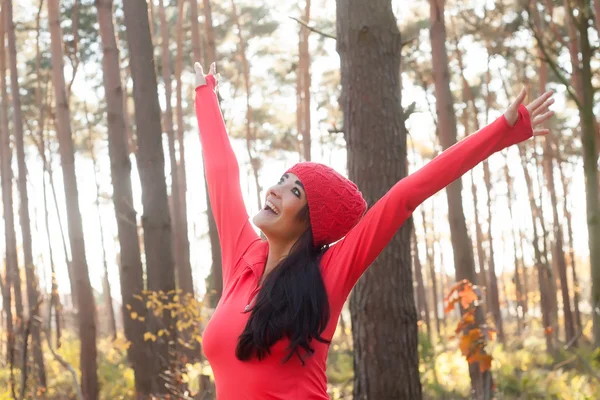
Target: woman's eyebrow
[[300, 184]]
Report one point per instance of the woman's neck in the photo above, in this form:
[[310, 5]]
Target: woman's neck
[[277, 252]]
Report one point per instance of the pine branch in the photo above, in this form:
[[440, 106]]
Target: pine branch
[[551, 63], [313, 29]]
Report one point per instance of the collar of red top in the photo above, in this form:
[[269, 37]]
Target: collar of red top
[[256, 257]]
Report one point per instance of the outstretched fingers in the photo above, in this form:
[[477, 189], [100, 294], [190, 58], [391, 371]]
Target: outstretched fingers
[[537, 103], [541, 118]]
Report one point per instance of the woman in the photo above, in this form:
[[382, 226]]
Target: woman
[[270, 333]]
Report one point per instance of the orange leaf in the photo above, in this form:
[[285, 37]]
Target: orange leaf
[[485, 363], [548, 331], [484, 360], [450, 305], [467, 297]]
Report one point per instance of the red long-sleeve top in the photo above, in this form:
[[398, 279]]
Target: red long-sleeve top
[[244, 254]]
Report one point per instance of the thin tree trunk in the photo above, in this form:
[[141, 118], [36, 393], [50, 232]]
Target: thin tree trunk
[[14, 270], [105, 280], [25, 221], [464, 261], [156, 221], [303, 79], [250, 130], [493, 281], [131, 272], [421, 298], [182, 265], [211, 47], [590, 166], [215, 280], [55, 298], [567, 215], [6, 173], [86, 307], [519, 262], [540, 260], [382, 303], [432, 277], [558, 253], [184, 240], [551, 271]]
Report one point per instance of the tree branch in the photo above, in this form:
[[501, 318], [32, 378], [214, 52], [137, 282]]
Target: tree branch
[[550, 62], [61, 360], [313, 29]]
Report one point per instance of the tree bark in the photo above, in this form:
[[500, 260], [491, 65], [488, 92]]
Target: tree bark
[[155, 221], [86, 308], [182, 265], [105, 281], [382, 304], [25, 221], [567, 216], [558, 253], [422, 308], [464, 261], [432, 277], [540, 260], [6, 177], [518, 260], [303, 80], [250, 129], [184, 241], [131, 272], [215, 280], [588, 140]]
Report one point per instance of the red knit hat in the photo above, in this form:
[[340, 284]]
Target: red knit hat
[[334, 202]]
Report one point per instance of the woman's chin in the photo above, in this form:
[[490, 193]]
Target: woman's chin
[[264, 219]]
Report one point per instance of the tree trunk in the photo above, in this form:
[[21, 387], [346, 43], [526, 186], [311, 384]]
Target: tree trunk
[[540, 260], [215, 279], [518, 261], [15, 276], [422, 308], [105, 281], [25, 221], [432, 277], [131, 272], [250, 129], [558, 253], [303, 80], [567, 216], [156, 221], [86, 309], [184, 241], [464, 261], [182, 265], [382, 303], [10, 239], [590, 166], [545, 243], [211, 47], [492, 277]]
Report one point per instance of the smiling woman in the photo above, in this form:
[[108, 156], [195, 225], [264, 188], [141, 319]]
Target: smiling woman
[[270, 333]]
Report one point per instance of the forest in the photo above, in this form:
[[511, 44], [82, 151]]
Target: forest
[[111, 261]]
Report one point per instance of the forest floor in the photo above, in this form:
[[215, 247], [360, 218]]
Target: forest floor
[[521, 369]]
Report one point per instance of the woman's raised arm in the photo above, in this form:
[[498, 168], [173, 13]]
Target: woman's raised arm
[[222, 174], [346, 261]]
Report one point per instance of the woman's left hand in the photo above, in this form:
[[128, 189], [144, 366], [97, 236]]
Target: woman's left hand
[[538, 111]]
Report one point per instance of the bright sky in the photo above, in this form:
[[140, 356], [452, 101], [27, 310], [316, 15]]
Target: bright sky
[[420, 127]]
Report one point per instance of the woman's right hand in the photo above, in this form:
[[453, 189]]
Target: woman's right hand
[[201, 77]]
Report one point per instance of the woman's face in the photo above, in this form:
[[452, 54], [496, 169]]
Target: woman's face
[[278, 220]]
